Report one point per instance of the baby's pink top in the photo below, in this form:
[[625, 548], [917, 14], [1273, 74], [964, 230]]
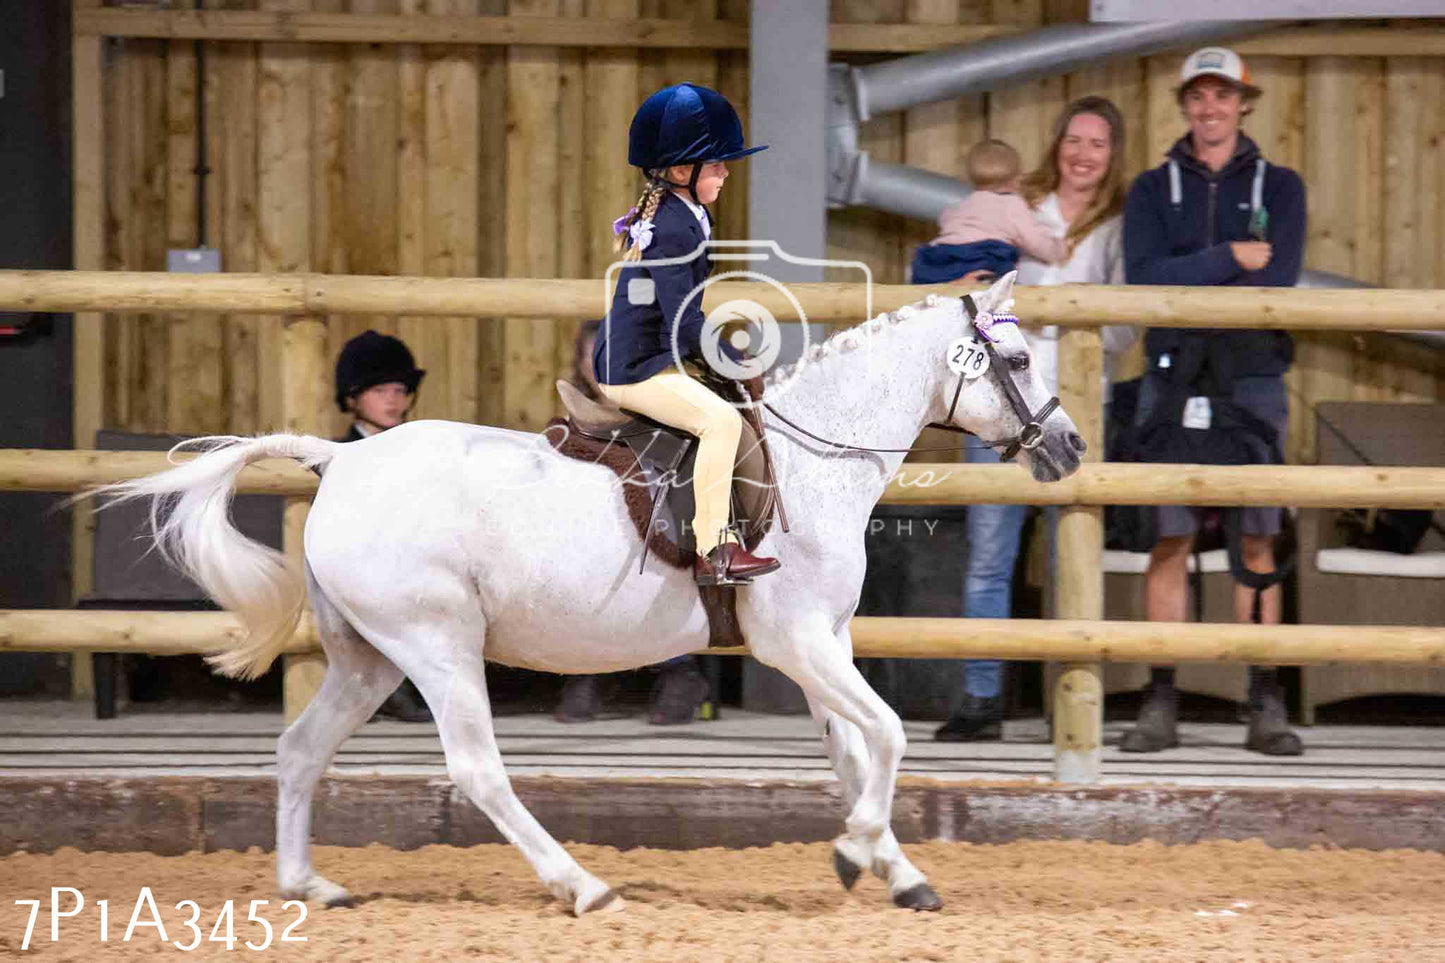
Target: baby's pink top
[[992, 216]]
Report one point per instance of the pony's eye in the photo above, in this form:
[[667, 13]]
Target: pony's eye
[[1019, 362]]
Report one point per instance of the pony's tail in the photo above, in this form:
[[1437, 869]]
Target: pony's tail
[[191, 527]]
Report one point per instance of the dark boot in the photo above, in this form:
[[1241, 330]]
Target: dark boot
[[979, 719], [1158, 725], [404, 705], [679, 691], [580, 700], [1269, 730], [731, 564]]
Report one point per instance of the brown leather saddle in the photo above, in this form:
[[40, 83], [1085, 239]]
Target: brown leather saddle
[[655, 465]]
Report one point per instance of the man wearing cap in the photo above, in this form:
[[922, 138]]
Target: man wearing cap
[[1215, 213]]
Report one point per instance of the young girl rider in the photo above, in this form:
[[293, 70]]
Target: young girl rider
[[681, 137]]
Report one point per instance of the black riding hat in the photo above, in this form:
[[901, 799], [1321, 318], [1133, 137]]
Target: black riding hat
[[372, 359]]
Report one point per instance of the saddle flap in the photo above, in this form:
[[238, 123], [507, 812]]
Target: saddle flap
[[591, 417], [753, 492]]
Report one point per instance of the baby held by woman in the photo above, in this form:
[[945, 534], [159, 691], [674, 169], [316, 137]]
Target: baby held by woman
[[988, 230]]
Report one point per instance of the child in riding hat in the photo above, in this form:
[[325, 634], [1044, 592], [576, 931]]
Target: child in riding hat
[[376, 382], [681, 137]]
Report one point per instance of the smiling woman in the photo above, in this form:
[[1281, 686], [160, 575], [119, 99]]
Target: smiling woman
[[1077, 196]]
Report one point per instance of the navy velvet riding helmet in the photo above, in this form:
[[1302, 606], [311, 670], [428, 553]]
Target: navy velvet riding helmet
[[372, 359], [685, 124]]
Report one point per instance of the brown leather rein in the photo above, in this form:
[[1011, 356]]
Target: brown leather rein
[[1030, 435]]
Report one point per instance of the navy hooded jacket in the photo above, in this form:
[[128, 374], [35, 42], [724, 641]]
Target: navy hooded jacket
[[635, 340], [1188, 242]]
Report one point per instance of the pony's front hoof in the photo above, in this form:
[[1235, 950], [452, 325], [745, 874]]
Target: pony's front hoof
[[321, 890], [920, 897], [847, 870], [607, 902]]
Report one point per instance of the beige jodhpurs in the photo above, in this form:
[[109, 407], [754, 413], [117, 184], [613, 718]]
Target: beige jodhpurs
[[677, 400]]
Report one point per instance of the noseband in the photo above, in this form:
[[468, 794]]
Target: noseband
[[1030, 435]]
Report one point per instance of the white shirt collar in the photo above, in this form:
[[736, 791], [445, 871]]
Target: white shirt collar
[[698, 211]]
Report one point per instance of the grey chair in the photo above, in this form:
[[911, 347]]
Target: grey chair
[[1352, 587]]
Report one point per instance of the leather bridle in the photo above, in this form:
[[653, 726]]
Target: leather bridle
[[1031, 432]]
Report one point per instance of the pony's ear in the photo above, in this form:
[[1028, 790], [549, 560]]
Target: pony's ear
[[999, 294]]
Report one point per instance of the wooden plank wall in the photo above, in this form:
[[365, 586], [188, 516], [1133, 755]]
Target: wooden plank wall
[[407, 159]]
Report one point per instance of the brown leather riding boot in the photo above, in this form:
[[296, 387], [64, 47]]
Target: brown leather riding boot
[[731, 564]]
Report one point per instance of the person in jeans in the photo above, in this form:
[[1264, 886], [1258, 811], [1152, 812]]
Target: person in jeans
[[1215, 213], [1076, 195]]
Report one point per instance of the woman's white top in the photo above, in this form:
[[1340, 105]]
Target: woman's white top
[[1098, 258]]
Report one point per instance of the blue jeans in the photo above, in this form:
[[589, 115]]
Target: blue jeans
[[993, 549]]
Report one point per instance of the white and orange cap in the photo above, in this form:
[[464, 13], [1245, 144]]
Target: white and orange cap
[[1218, 62]]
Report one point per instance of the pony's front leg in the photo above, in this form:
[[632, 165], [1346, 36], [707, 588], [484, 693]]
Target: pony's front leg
[[820, 660], [851, 854]]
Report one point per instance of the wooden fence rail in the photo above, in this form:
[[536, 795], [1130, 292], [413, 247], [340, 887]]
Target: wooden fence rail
[[182, 633], [1082, 305], [917, 483], [291, 26]]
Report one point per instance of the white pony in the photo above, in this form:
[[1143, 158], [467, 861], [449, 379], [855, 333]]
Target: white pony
[[435, 546]]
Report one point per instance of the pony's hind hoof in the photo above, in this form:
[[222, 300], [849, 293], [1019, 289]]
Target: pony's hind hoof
[[847, 870], [608, 902], [342, 900], [921, 898]]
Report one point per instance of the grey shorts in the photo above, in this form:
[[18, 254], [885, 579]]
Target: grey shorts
[[1263, 397]]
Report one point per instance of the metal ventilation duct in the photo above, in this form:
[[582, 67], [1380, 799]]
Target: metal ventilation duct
[[944, 74]]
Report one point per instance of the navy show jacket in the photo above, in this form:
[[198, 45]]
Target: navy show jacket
[[1188, 242], [635, 340]]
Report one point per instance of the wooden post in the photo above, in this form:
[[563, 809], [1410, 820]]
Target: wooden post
[[235, 187], [194, 379], [1079, 693], [305, 402], [492, 205], [294, 381], [331, 180], [453, 139], [88, 359], [532, 197], [414, 216]]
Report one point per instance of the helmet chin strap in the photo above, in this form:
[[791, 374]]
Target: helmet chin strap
[[692, 183], [660, 176]]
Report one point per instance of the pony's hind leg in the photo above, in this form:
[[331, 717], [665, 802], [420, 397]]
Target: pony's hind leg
[[358, 679], [449, 670]]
